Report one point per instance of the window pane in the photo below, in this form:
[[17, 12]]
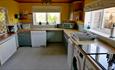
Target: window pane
[[39, 17], [88, 18], [97, 19], [53, 18], [109, 17]]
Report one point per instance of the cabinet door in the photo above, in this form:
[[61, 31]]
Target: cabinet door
[[70, 53], [12, 46], [7, 49], [3, 53], [54, 36], [24, 39], [65, 39], [77, 5], [38, 38]]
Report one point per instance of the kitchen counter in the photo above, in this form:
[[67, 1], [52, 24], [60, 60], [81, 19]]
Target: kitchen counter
[[52, 35], [96, 43], [66, 31], [5, 37], [97, 52], [40, 29], [8, 35]]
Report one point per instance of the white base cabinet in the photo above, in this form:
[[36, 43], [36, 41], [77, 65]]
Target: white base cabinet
[[7, 49], [38, 38], [70, 53]]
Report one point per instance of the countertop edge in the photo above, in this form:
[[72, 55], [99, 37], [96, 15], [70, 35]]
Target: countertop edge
[[6, 37]]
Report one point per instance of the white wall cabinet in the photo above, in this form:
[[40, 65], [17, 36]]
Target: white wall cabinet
[[38, 38], [7, 49]]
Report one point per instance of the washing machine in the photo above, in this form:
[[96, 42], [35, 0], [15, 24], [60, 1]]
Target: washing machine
[[78, 59]]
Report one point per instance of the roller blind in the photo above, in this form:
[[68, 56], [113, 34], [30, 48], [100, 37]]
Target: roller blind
[[46, 8], [99, 4]]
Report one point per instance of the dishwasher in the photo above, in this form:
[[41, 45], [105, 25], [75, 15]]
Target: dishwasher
[[38, 38]]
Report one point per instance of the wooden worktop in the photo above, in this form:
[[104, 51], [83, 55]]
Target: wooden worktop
[[97, 42], [5, 37], [66, 31], [69, 31]]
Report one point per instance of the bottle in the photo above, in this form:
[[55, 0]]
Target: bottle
[[40, 23], [88, 27], [112, 34]]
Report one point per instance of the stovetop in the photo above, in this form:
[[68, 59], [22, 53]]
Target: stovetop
[[99, 52], [101, 55], [104, 61]]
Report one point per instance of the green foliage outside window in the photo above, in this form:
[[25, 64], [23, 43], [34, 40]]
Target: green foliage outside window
[[52, 19]]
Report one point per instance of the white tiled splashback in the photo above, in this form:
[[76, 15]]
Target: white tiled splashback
[[3, 20]]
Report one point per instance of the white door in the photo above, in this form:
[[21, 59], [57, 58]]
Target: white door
[[38, 38]]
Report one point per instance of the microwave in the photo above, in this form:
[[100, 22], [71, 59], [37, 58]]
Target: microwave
[[68, 25]]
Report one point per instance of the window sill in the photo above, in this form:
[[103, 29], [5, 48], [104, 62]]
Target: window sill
[[107, 36]]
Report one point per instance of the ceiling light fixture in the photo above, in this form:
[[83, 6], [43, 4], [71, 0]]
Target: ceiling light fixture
[[46, 1]]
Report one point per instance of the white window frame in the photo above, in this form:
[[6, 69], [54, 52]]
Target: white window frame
[[34, 19]]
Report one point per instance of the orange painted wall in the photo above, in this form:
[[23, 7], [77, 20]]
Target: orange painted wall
[[27, 7], [12, 8]]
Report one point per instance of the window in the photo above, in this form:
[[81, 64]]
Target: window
[[109, 17], [93, 19], [54, 18], [108, 20], [100, 20], [44, 18], [97, 19], [88, 16], [40, 17]]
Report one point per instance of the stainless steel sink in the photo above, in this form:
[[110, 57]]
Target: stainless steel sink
[[83, 36]]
